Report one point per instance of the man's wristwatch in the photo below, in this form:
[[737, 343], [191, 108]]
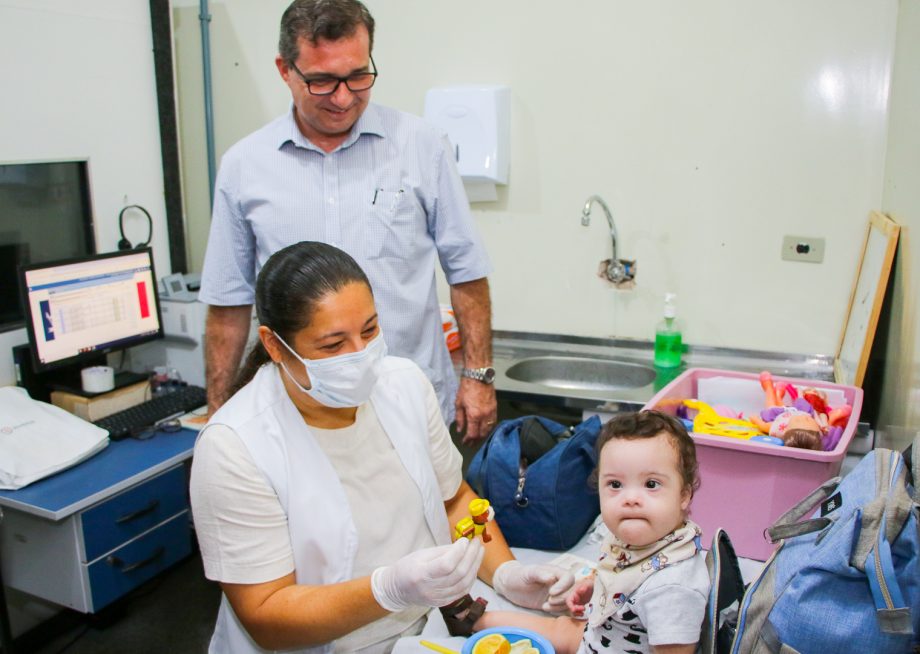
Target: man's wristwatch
[[485, 375]]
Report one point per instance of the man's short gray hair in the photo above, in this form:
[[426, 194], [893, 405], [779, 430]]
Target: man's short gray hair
[[321, 19]]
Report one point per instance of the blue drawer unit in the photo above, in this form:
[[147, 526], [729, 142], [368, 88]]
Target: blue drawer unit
[[115, 521], [110, 541], [139, 560]]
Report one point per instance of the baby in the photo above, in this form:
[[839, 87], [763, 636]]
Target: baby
[[650, 588]]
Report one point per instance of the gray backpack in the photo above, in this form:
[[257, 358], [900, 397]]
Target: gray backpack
[[847, 579]]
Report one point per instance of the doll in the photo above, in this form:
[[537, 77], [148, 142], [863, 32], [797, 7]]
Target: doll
[[808, 423]]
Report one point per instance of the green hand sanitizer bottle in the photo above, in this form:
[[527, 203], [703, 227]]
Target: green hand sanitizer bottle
[[668, 341]]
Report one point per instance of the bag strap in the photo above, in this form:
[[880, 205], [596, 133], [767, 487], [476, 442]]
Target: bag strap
[[893, 615], [726, 588], [898, 501], [912, 460], [888, 510], [592, 426], [789, 525]]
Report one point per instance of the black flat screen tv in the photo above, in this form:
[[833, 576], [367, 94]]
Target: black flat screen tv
[[45, 215]]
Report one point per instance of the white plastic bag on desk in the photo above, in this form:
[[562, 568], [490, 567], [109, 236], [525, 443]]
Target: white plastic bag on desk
[[39, 439]]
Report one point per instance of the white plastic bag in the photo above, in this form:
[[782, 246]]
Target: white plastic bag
[[38, 439]]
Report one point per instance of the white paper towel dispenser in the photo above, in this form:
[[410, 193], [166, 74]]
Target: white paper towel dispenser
[[477, 120]]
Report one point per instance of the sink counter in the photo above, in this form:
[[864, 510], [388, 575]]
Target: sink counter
[[510, 348]]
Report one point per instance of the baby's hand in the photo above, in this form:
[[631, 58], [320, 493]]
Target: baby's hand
[[580, 596]]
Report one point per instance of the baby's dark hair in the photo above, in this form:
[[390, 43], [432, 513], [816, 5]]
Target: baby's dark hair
[[648, 424]]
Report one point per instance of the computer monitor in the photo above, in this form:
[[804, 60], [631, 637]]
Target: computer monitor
[[78, 310], [45, 215]]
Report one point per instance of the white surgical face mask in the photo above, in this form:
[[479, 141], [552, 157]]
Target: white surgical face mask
[[341, 381]]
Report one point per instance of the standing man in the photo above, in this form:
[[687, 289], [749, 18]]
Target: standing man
[[376, 182]]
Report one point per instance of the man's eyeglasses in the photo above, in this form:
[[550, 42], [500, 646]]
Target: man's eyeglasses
[[328, 84]]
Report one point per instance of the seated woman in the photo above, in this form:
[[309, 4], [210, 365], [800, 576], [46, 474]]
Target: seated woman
[[323, 490]]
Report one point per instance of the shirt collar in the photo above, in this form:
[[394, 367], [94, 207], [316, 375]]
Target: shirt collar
[[368, 123]]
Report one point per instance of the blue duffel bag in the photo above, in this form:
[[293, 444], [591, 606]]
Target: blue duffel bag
[[535, 473]]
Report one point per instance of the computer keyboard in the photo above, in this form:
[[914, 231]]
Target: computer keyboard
[[172, 404]]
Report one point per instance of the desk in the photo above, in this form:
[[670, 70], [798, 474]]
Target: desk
[[86, 536]]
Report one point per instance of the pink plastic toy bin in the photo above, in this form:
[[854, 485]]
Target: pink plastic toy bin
[[746, 486]]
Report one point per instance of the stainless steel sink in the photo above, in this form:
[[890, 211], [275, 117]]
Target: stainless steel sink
[[581, 373], [613, 375]]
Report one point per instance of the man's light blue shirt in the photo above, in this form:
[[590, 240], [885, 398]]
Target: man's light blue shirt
[[390, 196]]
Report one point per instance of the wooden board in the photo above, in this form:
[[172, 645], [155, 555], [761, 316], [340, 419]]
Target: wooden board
[[866, 299]]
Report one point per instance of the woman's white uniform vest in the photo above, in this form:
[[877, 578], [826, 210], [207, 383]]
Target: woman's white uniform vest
[[323, 533]]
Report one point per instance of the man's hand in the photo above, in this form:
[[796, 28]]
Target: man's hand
[[476, 406], [477, 409]]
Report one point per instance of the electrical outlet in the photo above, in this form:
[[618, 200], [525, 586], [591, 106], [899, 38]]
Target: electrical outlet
[[803, 248]]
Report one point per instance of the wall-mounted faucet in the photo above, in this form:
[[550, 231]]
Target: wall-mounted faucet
[[618, 270]]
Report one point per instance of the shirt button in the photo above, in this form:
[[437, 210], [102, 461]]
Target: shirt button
[[331, 200]]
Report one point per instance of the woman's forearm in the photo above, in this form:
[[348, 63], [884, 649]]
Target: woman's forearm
[[282, 614]]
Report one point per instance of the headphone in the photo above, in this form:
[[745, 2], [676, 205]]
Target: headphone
[[124, 243]]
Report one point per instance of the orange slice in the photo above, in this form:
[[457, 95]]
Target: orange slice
[[523, 646], [492, 644]]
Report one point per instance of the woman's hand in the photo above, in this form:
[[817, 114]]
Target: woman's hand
[[543, 587], [435, 576]]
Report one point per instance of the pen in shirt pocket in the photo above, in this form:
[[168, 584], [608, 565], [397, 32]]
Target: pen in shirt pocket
[[396, 197], [380, 193]]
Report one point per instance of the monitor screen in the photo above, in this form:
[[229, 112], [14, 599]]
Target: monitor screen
[[37, 201], [81, 308]]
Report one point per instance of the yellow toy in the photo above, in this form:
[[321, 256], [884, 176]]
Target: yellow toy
[[707, 421], [475, 524]]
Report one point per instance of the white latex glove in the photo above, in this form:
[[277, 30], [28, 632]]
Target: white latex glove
[[435, 576], [542, 587]]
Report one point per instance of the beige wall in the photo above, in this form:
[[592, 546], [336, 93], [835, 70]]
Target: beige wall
[[899, 416], [78, 83], [712, 129], [246, 87]]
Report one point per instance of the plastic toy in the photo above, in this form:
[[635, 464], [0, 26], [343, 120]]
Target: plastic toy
[[475, 524], [462, 614], [808, 422], [437, 648], [707, 421]]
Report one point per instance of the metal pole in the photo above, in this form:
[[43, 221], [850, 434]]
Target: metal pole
[[204, 17]]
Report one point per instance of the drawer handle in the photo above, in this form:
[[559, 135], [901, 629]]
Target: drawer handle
[[116, 562], [150, 508]]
